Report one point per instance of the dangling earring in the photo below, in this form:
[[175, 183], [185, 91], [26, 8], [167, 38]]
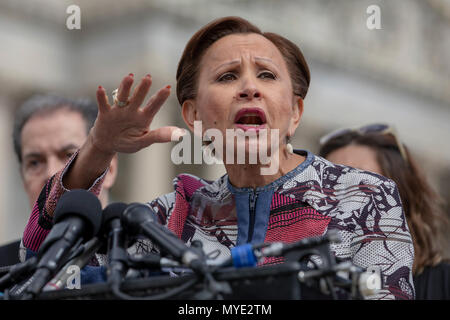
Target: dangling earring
[[289, 147]]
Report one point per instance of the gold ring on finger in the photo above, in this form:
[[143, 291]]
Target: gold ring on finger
[[116, 101]]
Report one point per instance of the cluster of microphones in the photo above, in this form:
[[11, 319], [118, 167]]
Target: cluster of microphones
[[81, 229]]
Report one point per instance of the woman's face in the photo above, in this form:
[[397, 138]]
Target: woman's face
[[244, 84], [356, 156]]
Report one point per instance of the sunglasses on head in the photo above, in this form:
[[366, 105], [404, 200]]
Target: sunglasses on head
[[377, 128]]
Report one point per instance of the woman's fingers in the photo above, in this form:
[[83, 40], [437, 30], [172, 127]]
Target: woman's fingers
[[125, 124], [102, 100], [156, 101], [140, 92], [162, 135], [125, 88]]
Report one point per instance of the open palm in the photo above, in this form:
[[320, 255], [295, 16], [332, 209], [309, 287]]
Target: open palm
[[127, 128]]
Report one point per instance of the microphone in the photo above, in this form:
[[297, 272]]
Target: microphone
[[80, 260], [139, 218], [77, 219], [248, 255], [151, 260], [18, 272], [280, 248], [117, 242]]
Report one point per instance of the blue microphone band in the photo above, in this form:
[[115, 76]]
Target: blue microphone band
[[243, 256]]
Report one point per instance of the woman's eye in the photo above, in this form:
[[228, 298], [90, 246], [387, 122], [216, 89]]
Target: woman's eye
[[267, 75], [226, 77]]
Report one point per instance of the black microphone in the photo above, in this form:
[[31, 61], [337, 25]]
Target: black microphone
[[77, 219], [117, 242], [139, 218], [85, 254], [18, 272], [152, 260]]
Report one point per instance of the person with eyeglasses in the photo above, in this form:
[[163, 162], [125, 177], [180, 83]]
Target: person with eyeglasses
[[378, 149]]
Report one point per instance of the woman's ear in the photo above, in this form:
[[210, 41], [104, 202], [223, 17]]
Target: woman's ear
[[297, 112], [189, 113]]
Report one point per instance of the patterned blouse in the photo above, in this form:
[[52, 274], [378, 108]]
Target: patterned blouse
[[313, 198]]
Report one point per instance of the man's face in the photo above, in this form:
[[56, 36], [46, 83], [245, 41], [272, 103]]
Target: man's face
[[48, 141]]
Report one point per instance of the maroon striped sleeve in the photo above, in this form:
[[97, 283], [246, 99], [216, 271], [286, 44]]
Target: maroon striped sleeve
[[34, 234]]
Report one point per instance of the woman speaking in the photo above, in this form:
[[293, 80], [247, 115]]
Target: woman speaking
[[233, 78]]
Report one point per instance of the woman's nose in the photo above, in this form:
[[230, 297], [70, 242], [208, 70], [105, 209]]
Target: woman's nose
[[249, 90]]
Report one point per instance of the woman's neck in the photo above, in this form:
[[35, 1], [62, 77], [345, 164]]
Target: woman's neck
[[258, 175]]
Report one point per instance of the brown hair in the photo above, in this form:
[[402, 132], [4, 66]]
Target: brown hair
[[188, 67], [422, 205]]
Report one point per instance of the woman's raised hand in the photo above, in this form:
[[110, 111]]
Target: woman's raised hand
[[126, 128]]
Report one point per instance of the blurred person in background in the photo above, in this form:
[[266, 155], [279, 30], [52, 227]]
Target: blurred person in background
[[377, 148], [48, 129]]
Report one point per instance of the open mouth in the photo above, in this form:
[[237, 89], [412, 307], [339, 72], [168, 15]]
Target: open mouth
[[250, 118]]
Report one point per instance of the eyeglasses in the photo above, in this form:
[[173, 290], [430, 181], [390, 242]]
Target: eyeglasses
[[378, 128]]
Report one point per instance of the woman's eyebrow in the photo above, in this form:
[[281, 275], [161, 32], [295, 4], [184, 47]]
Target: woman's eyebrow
[[236, 61], [227, 64], [266, 60]]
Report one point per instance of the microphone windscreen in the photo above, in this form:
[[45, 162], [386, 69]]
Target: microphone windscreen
[[81, 203], [113, 210], [135, 214]]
